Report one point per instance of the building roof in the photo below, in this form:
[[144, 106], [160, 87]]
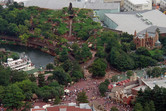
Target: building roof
[[59, 4], [153, 29], [99, 4], [152, 82], [38, 109], [112, 0], [66, 108], [133, 22], [138, 2], [143, 87], [69, 107]]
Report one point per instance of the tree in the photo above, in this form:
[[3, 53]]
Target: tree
[[49, 66], [76, 71], [132, 45], [57, 100], [24, 37], [32, 78], [3, 25], [61, 76], [82, 97], [67, 65], [100, 52], [152, 106], [129, 73], [142, 61], [4, 76], [41, 80], [156, 72], [22, 29], [114, 108], [21, 16], [114, 79], [13, 29], [98, 68], [138, 107], [85, 52], [13, 97], [28, 88], [125, 47], [120, 59], [63, 55], [17, 76], [1, 93], [143, 51], [37, 32], [103, 87], [146, 107]]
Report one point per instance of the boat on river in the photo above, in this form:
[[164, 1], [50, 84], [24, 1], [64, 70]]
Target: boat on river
[[23, 63]]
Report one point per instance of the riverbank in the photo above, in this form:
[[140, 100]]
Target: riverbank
[[45, 46]]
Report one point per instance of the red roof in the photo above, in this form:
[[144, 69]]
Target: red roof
[[38, 109], [122, 82], [110, 86], [68, 108]]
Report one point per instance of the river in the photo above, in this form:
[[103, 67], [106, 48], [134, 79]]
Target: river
[[37, 57]]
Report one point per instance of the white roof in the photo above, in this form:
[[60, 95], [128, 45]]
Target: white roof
[[59, 4], [153, 82], [84, 106], [138, 2], [20, 0], [129, 22]]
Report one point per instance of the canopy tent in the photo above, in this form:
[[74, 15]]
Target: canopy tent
[[67, 91]]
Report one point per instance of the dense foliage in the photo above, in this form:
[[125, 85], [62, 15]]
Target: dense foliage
[[98, 68], [156, 72], [82, 97], [103, 87], [119, 52], [151, 99], [15, 87]]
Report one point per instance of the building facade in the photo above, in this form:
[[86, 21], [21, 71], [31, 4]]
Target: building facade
[[148, 40], [163, 4], [137, 5]]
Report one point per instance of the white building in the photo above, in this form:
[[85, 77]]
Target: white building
[[137, 5], [140, 21], [163, 4], [23, 63]]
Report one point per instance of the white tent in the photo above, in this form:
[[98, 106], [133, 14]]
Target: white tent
[[67, 91]]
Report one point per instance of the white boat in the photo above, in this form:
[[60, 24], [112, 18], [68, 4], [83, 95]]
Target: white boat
[[23, 63]]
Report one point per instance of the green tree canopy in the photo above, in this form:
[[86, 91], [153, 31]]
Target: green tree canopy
[[114, 108], [82, 97], [143, 51], [98, 68], [61, 76], [13, 97], [129, 73]]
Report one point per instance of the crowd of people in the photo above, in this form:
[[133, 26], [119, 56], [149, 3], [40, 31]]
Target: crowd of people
[[90, 86]]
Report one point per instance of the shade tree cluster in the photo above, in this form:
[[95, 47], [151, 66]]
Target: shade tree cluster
[[151, 99], [16, 87], [114, 48]]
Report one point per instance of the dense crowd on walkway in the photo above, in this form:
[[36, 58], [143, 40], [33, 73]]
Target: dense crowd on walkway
[[90, 86]]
